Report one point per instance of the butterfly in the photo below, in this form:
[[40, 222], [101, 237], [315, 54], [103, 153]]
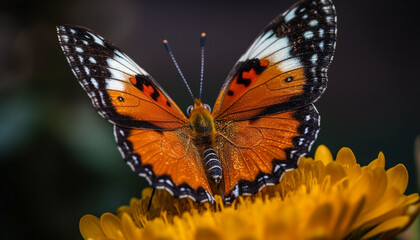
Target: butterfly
[[262, 122]]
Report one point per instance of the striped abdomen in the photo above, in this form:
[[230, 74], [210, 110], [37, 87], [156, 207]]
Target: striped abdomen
[[212, 165]]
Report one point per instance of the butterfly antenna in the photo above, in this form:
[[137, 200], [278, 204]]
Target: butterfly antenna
[[202, 41], [168, 48]]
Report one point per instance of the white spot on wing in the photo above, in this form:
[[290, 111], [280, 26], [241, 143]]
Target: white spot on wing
[[65, 38], [290, 64], [83, 82], [112, 84], [256, 43], [97, 39], [131, 166], [118, 70], [92, 60], [308, 34], [122, 64], [280, 55], [125, 60], [235, 190], [267, 47], [314, 58], [321, 32], [281, 46], [87, 70], [290, 15], [102, 97], [78, 49], [321, 46], [329, 18], [116, 74], [313, 23], [94, 82]]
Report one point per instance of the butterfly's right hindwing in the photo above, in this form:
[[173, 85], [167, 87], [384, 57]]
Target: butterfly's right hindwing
[[120, 90]]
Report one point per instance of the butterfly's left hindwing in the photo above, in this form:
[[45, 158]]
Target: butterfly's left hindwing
[[286, 66], [120, 90], [167, 159]]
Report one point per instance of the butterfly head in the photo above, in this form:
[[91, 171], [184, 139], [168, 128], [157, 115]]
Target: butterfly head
[[200, 117]]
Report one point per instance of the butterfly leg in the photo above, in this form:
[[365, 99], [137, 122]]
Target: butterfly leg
[[151, 198]]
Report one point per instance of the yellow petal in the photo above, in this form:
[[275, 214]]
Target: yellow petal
[[336, 171], [354, 172], [379, 162], [345, 156], [111, 226], [323, 153], [394, 223], [398, 177], [206, 234], [380, 185], [130, 230], [321, 199], [146, 192], [90, 227], [321, 217]]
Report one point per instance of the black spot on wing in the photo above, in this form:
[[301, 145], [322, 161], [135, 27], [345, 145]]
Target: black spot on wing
[[252, 64], [87, 54], [144, 81]]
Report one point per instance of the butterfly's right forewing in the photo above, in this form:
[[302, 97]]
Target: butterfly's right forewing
[[285, 67]]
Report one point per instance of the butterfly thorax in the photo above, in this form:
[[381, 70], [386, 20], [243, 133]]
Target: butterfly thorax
[[201, 120]]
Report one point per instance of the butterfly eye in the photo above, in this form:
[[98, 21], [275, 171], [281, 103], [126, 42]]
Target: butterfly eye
[[189, 109], [206, 106]]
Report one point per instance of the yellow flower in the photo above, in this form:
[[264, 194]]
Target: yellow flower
[[321, 199]]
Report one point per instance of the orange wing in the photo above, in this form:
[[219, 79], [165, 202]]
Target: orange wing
[[257, 152], [152, 133], [167, 159], [286, 66], [121, 91]]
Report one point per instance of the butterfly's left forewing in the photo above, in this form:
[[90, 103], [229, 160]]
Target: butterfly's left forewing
[[121, 91]]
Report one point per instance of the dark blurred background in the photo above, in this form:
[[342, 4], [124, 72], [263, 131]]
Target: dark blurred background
[[58, 159]]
